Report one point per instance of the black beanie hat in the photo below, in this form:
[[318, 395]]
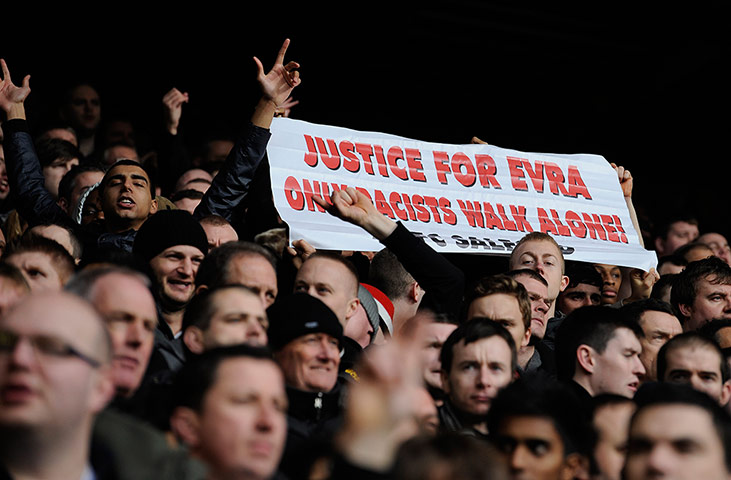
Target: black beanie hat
[[297, 315], [166, 229]]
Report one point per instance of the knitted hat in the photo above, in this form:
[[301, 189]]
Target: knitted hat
[[370, 307], [297, 315], [166, 229]]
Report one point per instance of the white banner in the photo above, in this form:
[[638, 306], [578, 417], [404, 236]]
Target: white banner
[[460, 198]]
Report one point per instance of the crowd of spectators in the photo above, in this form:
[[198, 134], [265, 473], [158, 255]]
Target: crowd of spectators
[[156, 321]]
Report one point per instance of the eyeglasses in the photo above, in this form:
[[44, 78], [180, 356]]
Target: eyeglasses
[[44, 345]]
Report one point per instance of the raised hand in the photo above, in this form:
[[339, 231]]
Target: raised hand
[[173, 102], [12, 96], [277, 85], [356, 208], [625, 179]]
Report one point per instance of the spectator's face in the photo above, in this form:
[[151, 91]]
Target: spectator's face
[[618, 368], [54, 172], [679, 234], [582, 295], [127, 195], [219, 234], [532, 447], [611, 423], [118, 152], [255, 272], [82, 183], [505, 310], [431, 337], [38, 270], [120, 131], [718, 244], [239, 317], [658, 327], [674, 441], [543, 257], [310, 362], [699, 367], [129, 311], [611, 281], [712, 302], [84, 109], [43, 387], [540, 304], [175, 269], [332, 283], [479, 370], [242, 425]]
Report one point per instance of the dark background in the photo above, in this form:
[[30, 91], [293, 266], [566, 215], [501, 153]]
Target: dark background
[[644, 87]]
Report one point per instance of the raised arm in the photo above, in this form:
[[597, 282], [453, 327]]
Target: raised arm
[[233, 181], [443, 282], [627, 183], [34, 203]]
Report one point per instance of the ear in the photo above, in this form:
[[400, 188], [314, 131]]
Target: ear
[[725, 393], [526, 339], [184, 423], [352, 308], [659, 245], [585, 358], [64, 204], [416, 293], [685, 310], [153, 206], [193, 339], [575, 467], [200, 289], [564, 283]]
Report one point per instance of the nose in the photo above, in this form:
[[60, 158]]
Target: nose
[[541, 307], [518, 459], [133, 336], [483, 377], [22, 354], [255, 333], [639, 368], [266, 418], [659, 461], [185, 267]]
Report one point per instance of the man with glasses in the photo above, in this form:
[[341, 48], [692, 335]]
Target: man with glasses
[[55, 376]]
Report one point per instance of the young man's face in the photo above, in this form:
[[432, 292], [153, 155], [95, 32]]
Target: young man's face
[[479, 370], [611, 281], [238, 317], [699, 367], [126, 197], [175, 269], [540, 304], [618, 368], [255, 272], [611, 423], [532, 448], [54, 172], [658, 327], [431, 337], [543, 257], [505, 310], [242, 425], [674, 441], [679, 234], [582, 295], [332, 283], [712, 302], [39, 271]]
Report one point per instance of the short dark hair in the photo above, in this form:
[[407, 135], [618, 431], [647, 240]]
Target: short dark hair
[[661, 286], [579, 272], [552, 401], [387, 274], [685, 287], [187, 193], [77, 248], [127, 162], [594, 326], [690, 340], [501, 283], [199, 373], [528, 273], [673, 259], [658, 394], [199, 311], [83, 282], [472, 331], [215, 269], [51, 149], [68, 181], [634, 311], [684, 250]]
